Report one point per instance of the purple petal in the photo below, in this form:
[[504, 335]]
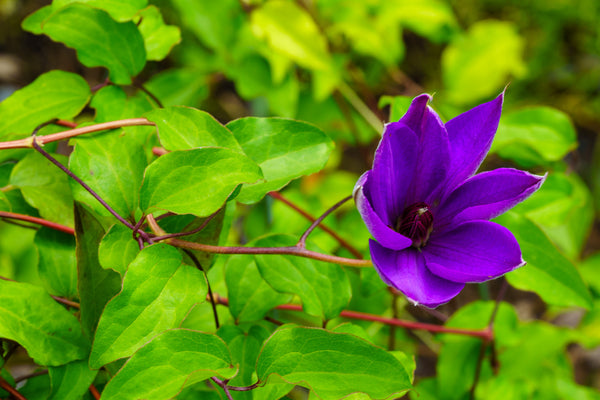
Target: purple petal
[[392, 173], [434, 151], [406, 271], [380, 231], [471, 135], [475, 251], [487, 195], [414, 114]]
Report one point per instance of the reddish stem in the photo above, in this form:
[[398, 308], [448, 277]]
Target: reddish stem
[[309, 217], [39, 221], [14, 392], [68, 124], [486, 333], [94, 392]]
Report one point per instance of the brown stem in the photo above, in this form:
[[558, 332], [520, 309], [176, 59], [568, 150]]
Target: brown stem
[[39, 221], [290, 250], [41, 140], [14, 392], [94, 392], [309, 217], [66, 302]]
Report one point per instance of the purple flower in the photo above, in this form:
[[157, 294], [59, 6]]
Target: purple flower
[[429, 213]]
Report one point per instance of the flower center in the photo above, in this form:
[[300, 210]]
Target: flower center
[[416, 223]]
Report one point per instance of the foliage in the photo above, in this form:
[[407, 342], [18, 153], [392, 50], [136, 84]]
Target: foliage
[[171, 256]]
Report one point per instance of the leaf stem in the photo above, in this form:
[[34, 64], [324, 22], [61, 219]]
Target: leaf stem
[[305, 214], [94, 392], [14, 392], [39, 221], [302, 242], [67, 171], [211, 297], [41, 140], [360, 107]]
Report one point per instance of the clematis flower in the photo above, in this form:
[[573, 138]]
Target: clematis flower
[[427, 211]]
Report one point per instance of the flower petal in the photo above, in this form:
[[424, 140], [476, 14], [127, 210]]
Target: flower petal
[[487, 195], [393, 171], [475, 251], [381, 232], [434, 152], [406, 271], [471, 135]]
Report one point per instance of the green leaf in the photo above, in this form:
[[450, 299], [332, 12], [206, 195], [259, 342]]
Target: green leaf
[[284, 149], [535, 136], [478, 64], [563, 209], [548, 273], [433, 19], [29, 316], [291, 31], [244, 349], [182, 128], [323, 288], [55, 94], [205, 19], [96, 285], [118, 9], [188, 87], [172, 360], [158, 292], [118, 249], [99, 40], [45, 187], [250, 296], [4, 202], [71, 381], [111, 103], [333, 365], [196, 181], [159, 38], [57, 265], [398, 105], [113, 166]]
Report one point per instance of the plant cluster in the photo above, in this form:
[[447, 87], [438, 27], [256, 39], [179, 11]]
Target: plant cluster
[[183, 227]]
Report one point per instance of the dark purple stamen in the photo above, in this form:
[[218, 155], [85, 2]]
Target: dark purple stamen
[[416, 223]]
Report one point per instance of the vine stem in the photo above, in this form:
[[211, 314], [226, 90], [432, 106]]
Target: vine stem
[[286, 250], [39, 221], [13, 392], [302, 242], [361, 107], [41, 140], [38, 148], [94, 392], [305, 214], [485, 334]]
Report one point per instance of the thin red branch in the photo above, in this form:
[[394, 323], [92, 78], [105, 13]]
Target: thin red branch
[[14, 392], [68, 124], [94, 392], [486, 333], [309, 217], [39, 221]]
